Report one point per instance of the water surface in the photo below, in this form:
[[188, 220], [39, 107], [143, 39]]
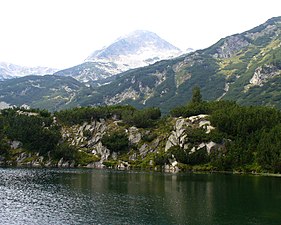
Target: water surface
[[86, 196]]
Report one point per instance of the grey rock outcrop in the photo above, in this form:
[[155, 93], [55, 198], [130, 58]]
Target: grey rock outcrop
[[147, 148], [134, 135], [15, 144], [179, 136], [231, 45], [263, 74], [88, 136]]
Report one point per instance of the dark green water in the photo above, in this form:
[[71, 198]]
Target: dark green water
[[84, 196]]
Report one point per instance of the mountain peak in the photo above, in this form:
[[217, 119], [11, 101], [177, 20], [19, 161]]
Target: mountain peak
[[141, 43], [137, 49]]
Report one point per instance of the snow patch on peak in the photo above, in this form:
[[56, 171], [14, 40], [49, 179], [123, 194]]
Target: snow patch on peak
[[136, 49], [9, 70]]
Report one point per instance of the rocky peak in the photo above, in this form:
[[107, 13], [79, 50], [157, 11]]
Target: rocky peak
[[137, 49], [140, 42]]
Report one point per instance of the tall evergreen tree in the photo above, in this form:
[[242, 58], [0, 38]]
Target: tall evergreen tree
[[196, 95]]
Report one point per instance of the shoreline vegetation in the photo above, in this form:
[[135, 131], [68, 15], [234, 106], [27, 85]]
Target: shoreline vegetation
[[197, 137]]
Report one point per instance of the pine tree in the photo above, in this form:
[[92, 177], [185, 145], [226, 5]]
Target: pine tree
[[196, 95]]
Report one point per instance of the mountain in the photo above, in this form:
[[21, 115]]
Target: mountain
[[244, 67], [137, 49], [45, 92], [8, 71]]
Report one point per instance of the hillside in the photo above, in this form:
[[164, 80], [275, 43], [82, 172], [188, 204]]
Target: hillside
[[45, 92]]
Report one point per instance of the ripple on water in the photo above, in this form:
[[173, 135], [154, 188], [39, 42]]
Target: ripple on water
[[81, 196]]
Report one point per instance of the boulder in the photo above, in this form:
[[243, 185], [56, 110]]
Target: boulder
[[134, 135], [15, 144], [97, 165], [143, 150], [210, 145], [133, 157], [114, 155], [60, 162], [102, 151]]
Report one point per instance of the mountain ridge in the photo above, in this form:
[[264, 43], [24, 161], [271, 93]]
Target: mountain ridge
[[9, 70], [244, 67]]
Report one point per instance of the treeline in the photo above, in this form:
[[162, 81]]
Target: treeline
[[33, 128], [140, 118], [252, 134]]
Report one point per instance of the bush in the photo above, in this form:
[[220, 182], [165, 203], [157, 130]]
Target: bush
[[84, 158], [179, 153], [143, 118], [110, 164], [65, 151], [198, 157], [34, 131], [88, 114], [116, 141], [192, 109], [196, 136], [149, 137], [4, 148], [161, 159]]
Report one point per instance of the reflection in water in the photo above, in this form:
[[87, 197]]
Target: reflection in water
[[86, 196]]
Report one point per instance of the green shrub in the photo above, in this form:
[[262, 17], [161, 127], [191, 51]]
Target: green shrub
[[83, 158], [116, 141], [149, 137], [269, 150], [87, 133], [110, 164], [142, 118], [179, 153], [65, 151], [161, 159], [200, 156]]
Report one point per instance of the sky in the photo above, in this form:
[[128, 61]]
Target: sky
[[62, 33]]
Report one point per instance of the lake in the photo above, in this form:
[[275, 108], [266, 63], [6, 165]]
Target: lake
[[88, 196]]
